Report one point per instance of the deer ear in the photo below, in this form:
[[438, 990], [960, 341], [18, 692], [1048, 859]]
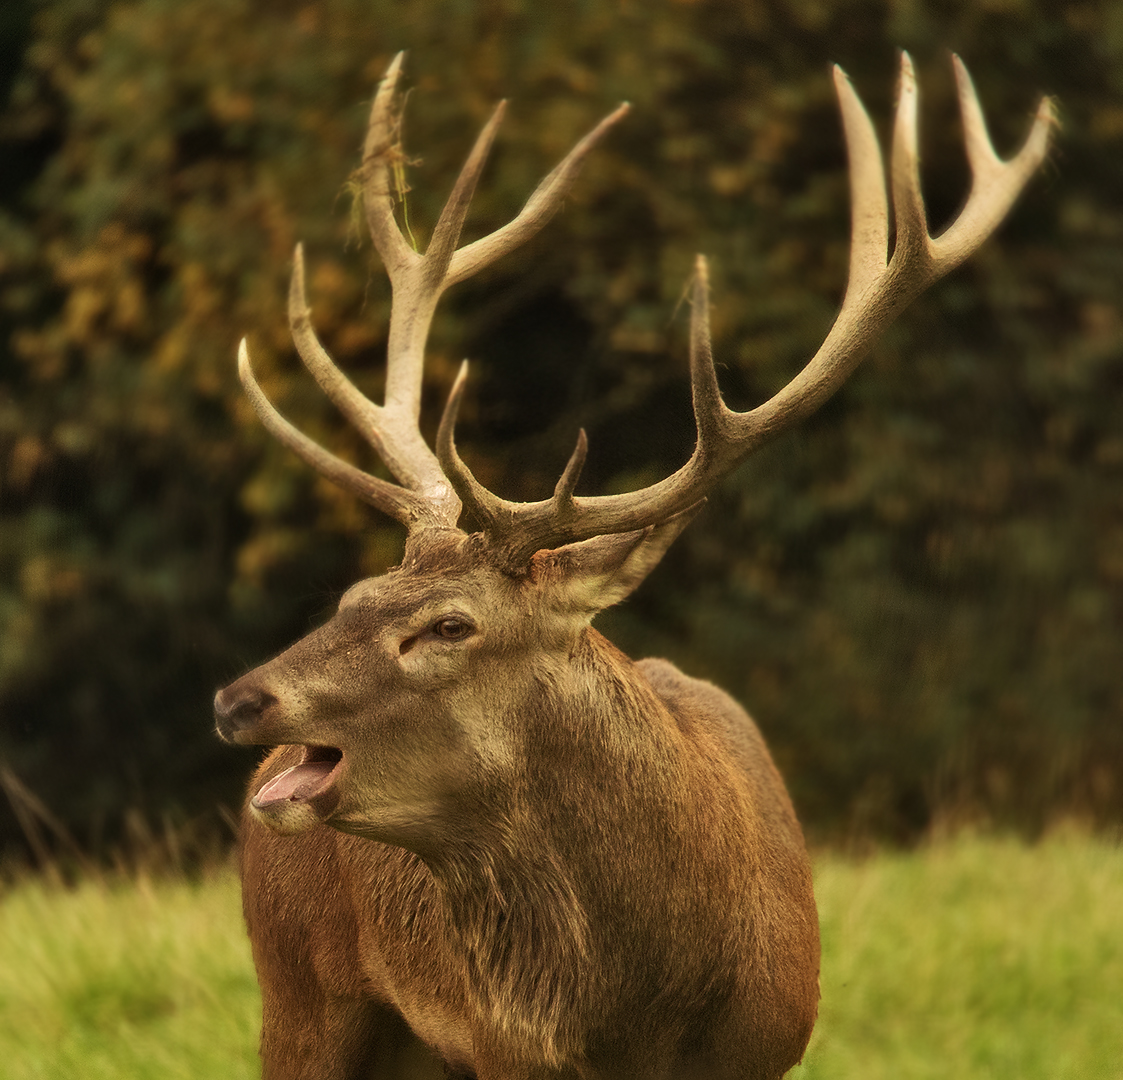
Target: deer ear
[[591, 575]]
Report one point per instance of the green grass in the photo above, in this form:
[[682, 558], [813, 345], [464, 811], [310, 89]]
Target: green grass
[[130, 980], [977, 958]]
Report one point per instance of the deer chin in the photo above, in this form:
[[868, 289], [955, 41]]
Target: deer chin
[[304, 795]]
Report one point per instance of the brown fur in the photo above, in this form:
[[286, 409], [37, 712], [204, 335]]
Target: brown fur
[[585, 867]]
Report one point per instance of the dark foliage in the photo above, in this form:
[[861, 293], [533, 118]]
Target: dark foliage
[[919, 595]]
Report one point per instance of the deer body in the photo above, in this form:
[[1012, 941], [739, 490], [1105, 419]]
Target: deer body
[[599, 866], [484, 829]]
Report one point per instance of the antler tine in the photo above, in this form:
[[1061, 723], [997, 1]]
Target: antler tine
[[419, 280], [442, 246], [996, 183], [869, 204], [516, 531], [539, 208], [381, 153], [710, 412], [362, 413], [395, 437], [528, 522], [419, 286], [567, 482], [878, 289], [400, 504]]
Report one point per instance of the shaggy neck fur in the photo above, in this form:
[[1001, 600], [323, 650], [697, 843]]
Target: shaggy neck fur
[[562, 906], [514, 913]]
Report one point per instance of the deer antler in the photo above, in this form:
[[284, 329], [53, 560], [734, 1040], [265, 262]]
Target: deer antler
[[423, 495], [878, 289]]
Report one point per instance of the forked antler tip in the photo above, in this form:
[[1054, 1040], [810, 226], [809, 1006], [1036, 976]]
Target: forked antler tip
[[1045, 116]]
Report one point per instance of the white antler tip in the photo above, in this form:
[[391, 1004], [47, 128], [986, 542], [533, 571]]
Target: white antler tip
[[847, 96], [395, 68], [963, 80], [1047, 113], [908, 74], [244, 370]]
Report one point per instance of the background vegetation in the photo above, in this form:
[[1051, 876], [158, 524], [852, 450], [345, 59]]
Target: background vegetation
[[919, 594], [974, 959]]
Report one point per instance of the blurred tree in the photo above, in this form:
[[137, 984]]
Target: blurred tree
[[919, 595]]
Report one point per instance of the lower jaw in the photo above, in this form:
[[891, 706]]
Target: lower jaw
[[288, 817]]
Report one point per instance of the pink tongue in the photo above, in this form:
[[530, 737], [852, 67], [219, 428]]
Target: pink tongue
[[299, 782]]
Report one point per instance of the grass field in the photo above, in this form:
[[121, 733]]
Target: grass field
[[978, 958], [972, 959]]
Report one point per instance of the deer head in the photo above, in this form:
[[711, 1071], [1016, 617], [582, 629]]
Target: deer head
[[412, 701]]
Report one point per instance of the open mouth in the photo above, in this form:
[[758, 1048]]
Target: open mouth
[[313, 777]]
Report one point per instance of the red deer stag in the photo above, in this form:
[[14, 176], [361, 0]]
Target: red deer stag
[[483, 829]]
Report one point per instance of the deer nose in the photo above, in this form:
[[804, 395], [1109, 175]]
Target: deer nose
[[238, 708]]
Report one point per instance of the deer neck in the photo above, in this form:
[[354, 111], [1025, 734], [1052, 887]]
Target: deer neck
[[540, 899], [513, 912]]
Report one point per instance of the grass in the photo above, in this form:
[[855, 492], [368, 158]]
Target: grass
[[144, 979], [975, 958], [978, 958]]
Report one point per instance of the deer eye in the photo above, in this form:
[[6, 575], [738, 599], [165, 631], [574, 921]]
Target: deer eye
[[452, 628]]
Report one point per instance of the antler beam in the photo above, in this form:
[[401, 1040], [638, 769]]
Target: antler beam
[[879, 287], [423, 495]]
